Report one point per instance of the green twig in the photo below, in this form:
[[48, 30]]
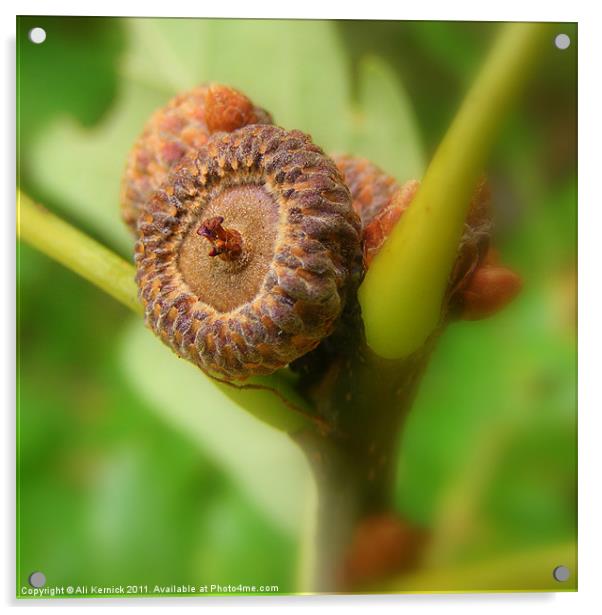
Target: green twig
[[271, 399], [76, 251], [403, 291]]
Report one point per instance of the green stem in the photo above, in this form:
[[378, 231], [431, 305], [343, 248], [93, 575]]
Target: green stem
[[76, 251], [271, 399], [404, 289]]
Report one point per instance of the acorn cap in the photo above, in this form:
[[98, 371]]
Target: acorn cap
[[179, 128], [248, 251]]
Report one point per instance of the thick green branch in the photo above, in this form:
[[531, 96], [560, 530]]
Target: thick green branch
[[271, 399], [403, 291]]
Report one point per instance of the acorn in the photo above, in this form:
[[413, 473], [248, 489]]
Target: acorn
[[248, 251]]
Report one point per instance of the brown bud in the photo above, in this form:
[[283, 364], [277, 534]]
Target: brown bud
[[227, 109], [489, 289], [176, 130], [277, 209], [383, 545]]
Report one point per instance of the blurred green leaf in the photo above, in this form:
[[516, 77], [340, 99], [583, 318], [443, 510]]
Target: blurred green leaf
[[385, 128], [73, 71], [458, 47], [81, 168], [260, 461], [488, 454]]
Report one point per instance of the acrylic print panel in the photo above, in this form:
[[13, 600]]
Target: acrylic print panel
[[296, 307]]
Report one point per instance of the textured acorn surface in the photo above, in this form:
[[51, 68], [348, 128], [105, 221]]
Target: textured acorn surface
[[301, 253], [180, 128], [371, 188]]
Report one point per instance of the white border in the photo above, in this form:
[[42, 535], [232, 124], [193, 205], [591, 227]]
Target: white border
[[509, 10], [590, 302]]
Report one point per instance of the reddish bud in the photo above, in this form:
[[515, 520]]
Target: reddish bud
[[227, 109], [383, 544], [490, 288]]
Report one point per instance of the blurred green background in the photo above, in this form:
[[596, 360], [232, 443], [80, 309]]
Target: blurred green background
[[133, 469]]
